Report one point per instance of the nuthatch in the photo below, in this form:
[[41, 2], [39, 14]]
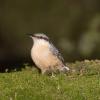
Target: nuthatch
[[45, 55]]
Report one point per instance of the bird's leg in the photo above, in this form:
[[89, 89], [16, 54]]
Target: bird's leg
[[52, 74]]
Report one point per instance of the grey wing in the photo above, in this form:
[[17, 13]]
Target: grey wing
[[55, 52]]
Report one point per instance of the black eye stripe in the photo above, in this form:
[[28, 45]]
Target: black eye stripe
[[40, 37]]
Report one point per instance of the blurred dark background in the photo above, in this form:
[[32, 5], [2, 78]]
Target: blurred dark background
[[73, 25]]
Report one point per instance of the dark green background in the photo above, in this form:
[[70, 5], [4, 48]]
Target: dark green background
[[73, 25]]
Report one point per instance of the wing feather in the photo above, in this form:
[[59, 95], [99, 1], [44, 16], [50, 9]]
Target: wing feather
[[56, 52]]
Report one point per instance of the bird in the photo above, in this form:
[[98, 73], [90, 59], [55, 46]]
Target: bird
[[45, 55]]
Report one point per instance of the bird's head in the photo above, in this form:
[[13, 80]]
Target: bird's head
[[39, 37]]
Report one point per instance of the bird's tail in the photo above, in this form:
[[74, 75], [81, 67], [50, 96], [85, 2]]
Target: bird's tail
[[67, 68], [64, 69]]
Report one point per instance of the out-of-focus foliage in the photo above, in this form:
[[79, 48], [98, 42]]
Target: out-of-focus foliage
[[90, 41], [74, 26]]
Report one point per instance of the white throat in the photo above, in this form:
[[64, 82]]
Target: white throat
[[40, 42]]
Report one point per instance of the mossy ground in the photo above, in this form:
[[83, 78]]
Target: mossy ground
[[81, 83]]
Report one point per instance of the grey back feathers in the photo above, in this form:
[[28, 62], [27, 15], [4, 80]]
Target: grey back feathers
[[55, 52], [40, 35]]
